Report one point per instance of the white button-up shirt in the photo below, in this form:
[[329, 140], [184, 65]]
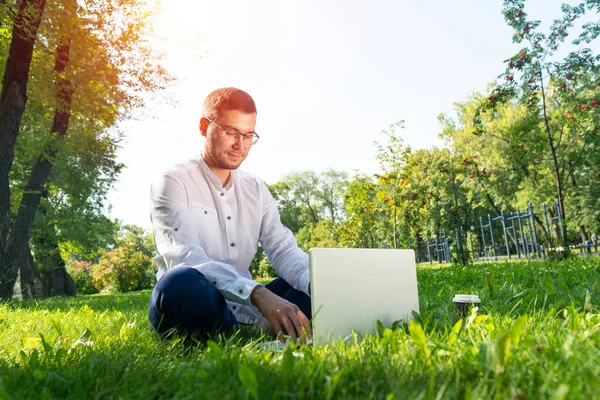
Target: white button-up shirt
[[199, 223]]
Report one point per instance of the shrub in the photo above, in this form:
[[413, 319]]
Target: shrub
[[463, 257], [123, 270], [81, 272], [265, 269], [559, 254]]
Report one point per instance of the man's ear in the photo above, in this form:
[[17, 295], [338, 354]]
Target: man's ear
[[203, 126]]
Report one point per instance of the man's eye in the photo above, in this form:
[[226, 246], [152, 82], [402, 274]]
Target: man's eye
[[230, 133]]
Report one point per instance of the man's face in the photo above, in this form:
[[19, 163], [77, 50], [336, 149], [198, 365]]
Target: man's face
[[222, 151]]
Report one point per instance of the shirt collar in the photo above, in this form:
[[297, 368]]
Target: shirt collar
[[212, 178]]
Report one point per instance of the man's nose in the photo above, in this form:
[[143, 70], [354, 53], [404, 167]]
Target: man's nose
[[239, 140]]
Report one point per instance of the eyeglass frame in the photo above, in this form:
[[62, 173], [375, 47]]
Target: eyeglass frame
[[238, 134]]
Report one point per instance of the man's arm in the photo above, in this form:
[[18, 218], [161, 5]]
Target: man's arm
[[176, 240], [291, 264], [289, 261]]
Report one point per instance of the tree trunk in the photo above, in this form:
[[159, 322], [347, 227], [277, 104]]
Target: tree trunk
[[55, 278], [12, 105], [554, 225], [545, 232], [456, 216], [31, 280], [21, 228], [57, 282], [584, 234], [555, 164]]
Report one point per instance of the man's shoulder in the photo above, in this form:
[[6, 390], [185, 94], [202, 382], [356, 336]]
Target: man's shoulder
[[248, 178], [252, 184], [180, 169]]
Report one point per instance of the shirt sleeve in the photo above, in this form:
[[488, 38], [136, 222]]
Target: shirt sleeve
[[176, 241], [289, 261]]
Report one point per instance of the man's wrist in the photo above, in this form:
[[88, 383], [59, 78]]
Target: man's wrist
[[257, 294]]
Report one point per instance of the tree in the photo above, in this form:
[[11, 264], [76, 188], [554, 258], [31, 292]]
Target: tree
[[360, 228], [332, 186], [512, 153], [560, 94], [13, 98], [305, 198], [391, 155], [304, 189], [101, 66]]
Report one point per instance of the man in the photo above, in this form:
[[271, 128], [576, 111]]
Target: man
[[208, 218]]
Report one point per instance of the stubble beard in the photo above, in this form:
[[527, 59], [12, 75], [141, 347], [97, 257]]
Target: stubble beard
[[223, 162]]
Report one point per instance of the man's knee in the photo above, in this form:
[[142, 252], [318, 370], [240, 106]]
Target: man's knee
[[180, 285], [184, 299]]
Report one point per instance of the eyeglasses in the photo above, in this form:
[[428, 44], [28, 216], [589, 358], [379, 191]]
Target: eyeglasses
[[231, 135]]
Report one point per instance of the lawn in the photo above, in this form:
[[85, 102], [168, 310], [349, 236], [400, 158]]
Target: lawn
[[536, 336]]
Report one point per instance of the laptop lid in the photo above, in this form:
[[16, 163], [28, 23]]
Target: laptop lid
[[353, 288]]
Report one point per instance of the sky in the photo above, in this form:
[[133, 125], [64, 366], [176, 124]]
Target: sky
[[327, 77]]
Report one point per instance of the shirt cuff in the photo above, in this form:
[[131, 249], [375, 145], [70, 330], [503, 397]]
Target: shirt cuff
[[304, 281], [238, 290]]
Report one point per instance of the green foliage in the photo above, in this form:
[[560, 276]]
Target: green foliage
[[559, 254], [461, 256], [305, 198], [537, 337], [265, 269], [129, 266], [322, 234], [560, 97], [81, 272], [253, 268], [361, 226], [123, 270], [109, 64]]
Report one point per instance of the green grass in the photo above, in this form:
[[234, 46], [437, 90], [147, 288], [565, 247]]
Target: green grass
[[537, 336]]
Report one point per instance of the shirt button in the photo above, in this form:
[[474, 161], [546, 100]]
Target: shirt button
[[228, 217], [222, 194], [234, 307], [176, 229], [241, 291], [214, 282], [205, 212], [232, 244]]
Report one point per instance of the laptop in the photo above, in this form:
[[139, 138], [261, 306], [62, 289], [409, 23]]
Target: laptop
[[351, 289]]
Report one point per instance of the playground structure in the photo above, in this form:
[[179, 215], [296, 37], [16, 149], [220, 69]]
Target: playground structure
[[521, 229], [519, 236], [441, 249]]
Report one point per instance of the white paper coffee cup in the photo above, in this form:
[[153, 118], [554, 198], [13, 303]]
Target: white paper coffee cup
[[463, 303]]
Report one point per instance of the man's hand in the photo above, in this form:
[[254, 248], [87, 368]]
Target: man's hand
[[281, 314]]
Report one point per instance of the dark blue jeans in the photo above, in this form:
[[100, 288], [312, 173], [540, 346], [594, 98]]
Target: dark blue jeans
[[184, 301]]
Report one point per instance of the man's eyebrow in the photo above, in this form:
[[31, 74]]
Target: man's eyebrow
[[237, 130]]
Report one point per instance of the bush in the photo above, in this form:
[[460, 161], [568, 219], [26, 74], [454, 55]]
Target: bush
[[559, 254], [81, 272], [255, 263], [463, 257], [265, 269], [123, 270]]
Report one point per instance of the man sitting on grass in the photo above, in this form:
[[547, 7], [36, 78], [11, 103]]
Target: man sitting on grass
[[208, 218]]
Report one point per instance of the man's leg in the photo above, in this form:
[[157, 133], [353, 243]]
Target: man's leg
[[283, 289], [185, 301]]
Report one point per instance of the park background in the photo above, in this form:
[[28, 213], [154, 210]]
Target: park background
[[386, 125], [382, 125]]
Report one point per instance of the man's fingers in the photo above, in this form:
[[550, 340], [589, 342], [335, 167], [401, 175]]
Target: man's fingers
[[289, 327], [305, 323], [298, 326], [277, 329]]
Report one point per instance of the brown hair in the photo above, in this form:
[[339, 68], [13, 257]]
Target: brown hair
[[226, 99]]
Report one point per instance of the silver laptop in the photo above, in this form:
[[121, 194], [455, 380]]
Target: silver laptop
[[353, 288]]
